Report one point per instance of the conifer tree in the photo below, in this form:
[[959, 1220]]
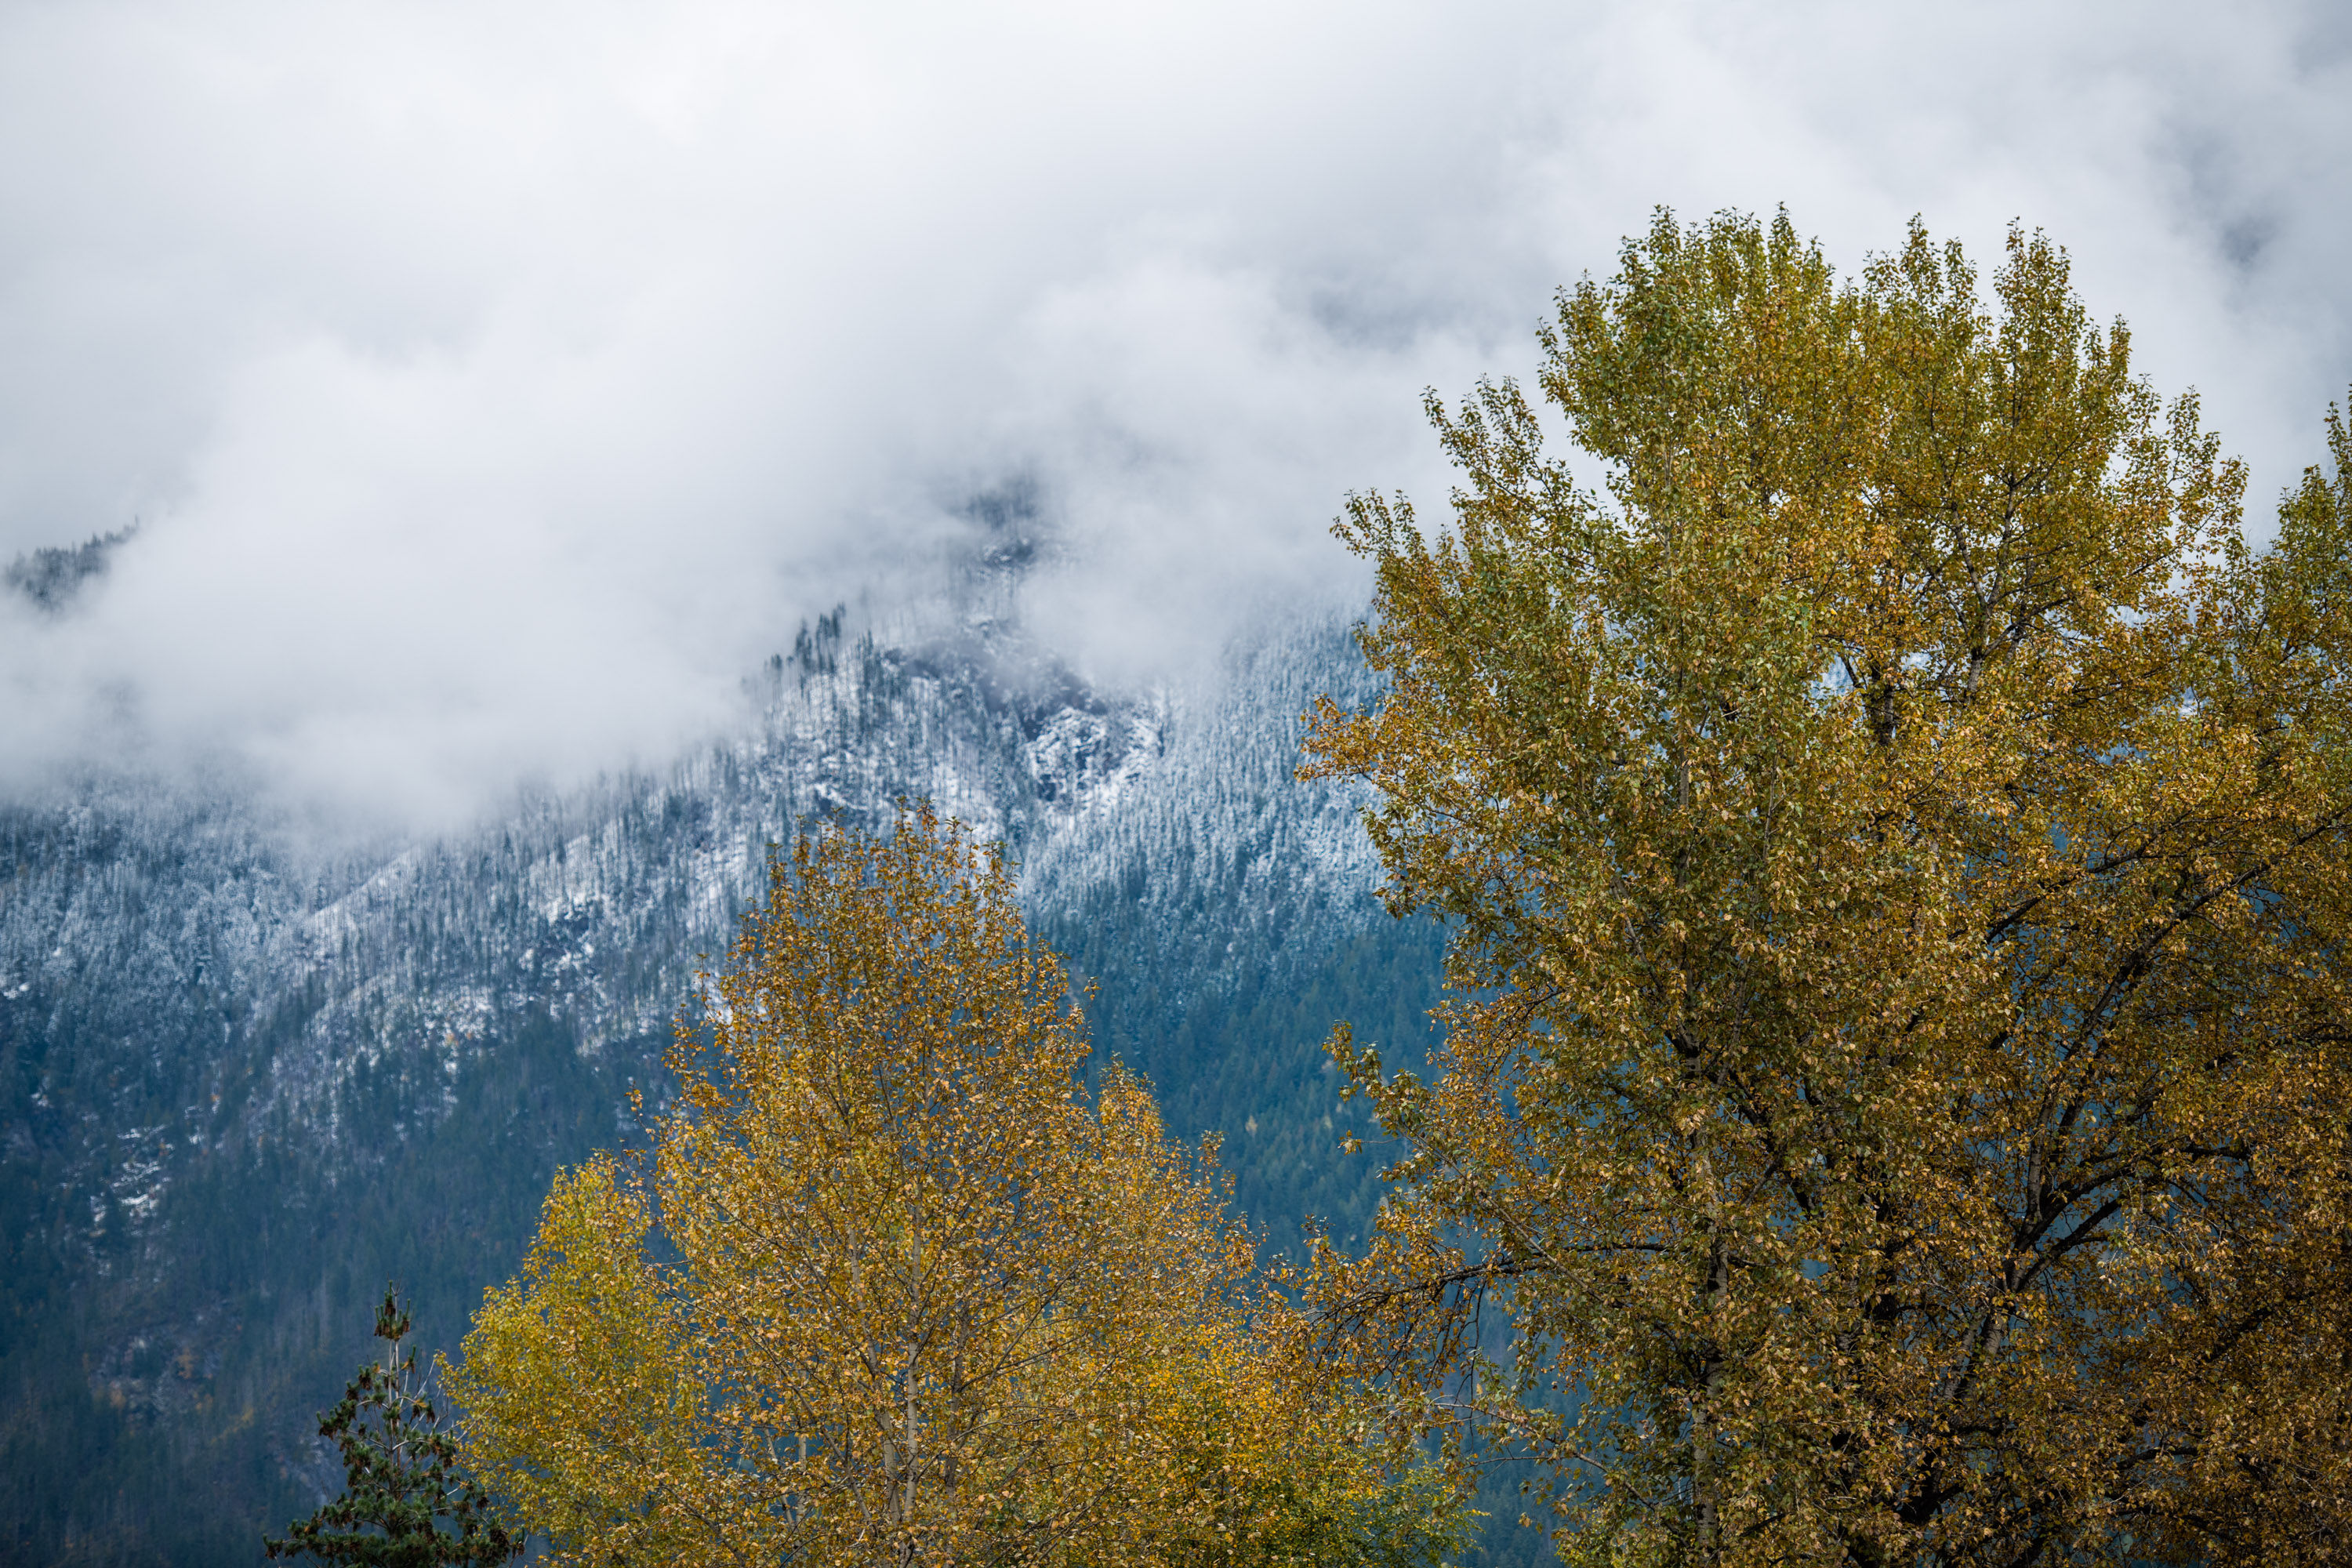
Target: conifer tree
[[401, 1475]]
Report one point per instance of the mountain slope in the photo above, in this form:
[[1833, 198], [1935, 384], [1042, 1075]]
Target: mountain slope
[[243, 1083]]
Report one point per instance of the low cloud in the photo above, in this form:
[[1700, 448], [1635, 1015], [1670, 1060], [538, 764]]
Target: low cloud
[[493, 384]]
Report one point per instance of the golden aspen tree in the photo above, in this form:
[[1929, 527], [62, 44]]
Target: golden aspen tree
[[897, 1290], [1894, 838]]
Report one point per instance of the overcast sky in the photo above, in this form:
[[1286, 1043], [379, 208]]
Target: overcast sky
[[494, 383]]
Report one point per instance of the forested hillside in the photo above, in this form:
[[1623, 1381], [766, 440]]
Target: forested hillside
[[248, 1080]]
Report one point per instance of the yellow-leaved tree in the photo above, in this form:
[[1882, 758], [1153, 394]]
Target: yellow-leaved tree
[[1897, 839], [897, 1290]]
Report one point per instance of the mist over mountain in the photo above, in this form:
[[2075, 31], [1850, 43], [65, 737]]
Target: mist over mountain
[[490, 387], [53, 578], [249, 1074]]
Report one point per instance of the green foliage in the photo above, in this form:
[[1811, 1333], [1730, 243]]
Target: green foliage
[[402, 1476]]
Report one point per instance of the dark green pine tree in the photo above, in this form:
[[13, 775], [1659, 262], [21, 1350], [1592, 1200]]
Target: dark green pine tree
[[402, 1478]]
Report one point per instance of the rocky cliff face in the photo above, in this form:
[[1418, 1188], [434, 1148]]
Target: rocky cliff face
[[242, 1082]]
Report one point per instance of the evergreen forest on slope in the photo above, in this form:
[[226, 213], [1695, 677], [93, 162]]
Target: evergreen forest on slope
[[248, 1081]]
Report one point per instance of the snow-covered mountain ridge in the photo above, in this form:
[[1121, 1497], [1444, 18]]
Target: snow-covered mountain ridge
[[244, 1081]]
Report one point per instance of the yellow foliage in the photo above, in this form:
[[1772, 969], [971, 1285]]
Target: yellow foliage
[[1895, 834], [895, 1290]]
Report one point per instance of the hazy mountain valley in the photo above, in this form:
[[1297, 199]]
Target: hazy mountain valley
[[247, 1082]]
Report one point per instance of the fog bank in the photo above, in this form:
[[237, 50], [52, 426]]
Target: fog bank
[[492, 385]]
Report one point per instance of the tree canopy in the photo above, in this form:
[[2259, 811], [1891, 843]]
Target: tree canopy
[[895, 1287], [1894, 832]]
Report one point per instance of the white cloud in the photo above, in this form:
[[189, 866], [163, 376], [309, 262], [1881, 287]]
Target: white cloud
[[497, 382]]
